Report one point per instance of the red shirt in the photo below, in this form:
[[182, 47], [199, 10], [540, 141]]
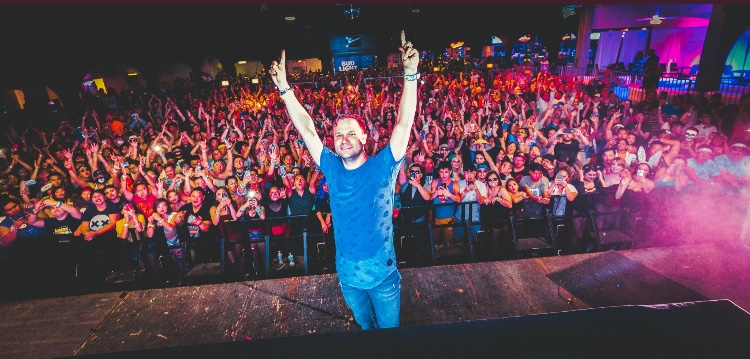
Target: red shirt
[[145, 205]]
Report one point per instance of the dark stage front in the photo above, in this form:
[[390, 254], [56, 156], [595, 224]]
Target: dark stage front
[[708, 329], [587, 305]]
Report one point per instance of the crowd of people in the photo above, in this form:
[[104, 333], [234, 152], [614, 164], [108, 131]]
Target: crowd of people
[[174, 166]]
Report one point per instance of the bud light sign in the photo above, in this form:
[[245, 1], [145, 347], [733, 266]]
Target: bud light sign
[[348, 63]]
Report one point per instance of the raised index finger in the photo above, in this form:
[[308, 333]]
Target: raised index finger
[[283, 57], [403, 38]]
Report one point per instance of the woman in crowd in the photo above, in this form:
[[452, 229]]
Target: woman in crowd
[[494, 215], [222, 211], [253, 213], [162, 230]]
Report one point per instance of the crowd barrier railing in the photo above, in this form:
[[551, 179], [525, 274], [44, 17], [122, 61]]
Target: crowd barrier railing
[[664, 217]]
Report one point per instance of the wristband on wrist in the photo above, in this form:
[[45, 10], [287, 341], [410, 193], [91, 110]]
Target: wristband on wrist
[[283, 92], [411, 77]]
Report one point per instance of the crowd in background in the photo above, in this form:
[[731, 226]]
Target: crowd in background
[[168, 166]]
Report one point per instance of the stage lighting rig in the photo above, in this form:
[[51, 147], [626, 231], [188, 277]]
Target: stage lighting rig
[[351, 13]]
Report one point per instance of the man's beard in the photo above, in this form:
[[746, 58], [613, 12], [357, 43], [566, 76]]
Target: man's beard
[[356, 152]]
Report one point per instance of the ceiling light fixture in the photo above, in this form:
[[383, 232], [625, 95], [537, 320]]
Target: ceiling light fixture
[[351, 13]]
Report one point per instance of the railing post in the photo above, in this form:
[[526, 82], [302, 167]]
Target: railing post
[[430, 225], [469, 223], [222, 255], [268, 255], [304, 250]]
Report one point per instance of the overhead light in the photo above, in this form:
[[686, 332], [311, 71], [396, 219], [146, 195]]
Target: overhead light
[[351, 13], [132, 74], [656, 20], [255, 81], [242, 62], [224, 83], [568, 10], [416, 11], [290, 18]]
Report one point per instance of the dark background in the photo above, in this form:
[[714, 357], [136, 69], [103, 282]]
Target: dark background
[[51, 42]]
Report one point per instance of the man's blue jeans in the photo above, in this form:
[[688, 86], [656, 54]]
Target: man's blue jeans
[[377, 307]]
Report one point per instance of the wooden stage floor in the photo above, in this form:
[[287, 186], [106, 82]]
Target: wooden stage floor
[[156, 318]]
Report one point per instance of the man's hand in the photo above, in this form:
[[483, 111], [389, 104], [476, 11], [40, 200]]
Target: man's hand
[[409, 55], [278, 71]]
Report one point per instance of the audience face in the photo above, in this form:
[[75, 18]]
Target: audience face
[[173, 197], [111, 194], [703, 156], [512, 186], [98, 199], [493, 180], [196, 198], [479, 159], [428, 164], [456, 163], [535, 175], [445, 174], [274, 194], [141, 190], [607, 157], [12, 209]]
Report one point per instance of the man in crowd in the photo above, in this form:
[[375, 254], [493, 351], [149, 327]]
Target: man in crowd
[[365, 258]]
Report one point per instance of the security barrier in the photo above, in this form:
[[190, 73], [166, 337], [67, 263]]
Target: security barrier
[[670, 217]]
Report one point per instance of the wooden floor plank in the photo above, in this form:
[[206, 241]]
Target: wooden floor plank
[[296, 306], [52, 327]]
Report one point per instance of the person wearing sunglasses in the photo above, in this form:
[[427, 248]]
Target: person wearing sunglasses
[[415, 197], [494, 215]]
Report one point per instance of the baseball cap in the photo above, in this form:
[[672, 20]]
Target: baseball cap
[[480, 141], [132, 137], [739, 145], [483, 166], [443, 147]]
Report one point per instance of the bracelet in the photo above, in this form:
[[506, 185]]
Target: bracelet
[[126, 224], [150, 225], [283, 92], [59, 203], [411, 77]]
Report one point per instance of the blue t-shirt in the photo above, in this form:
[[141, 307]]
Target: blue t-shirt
[[361, 207]]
